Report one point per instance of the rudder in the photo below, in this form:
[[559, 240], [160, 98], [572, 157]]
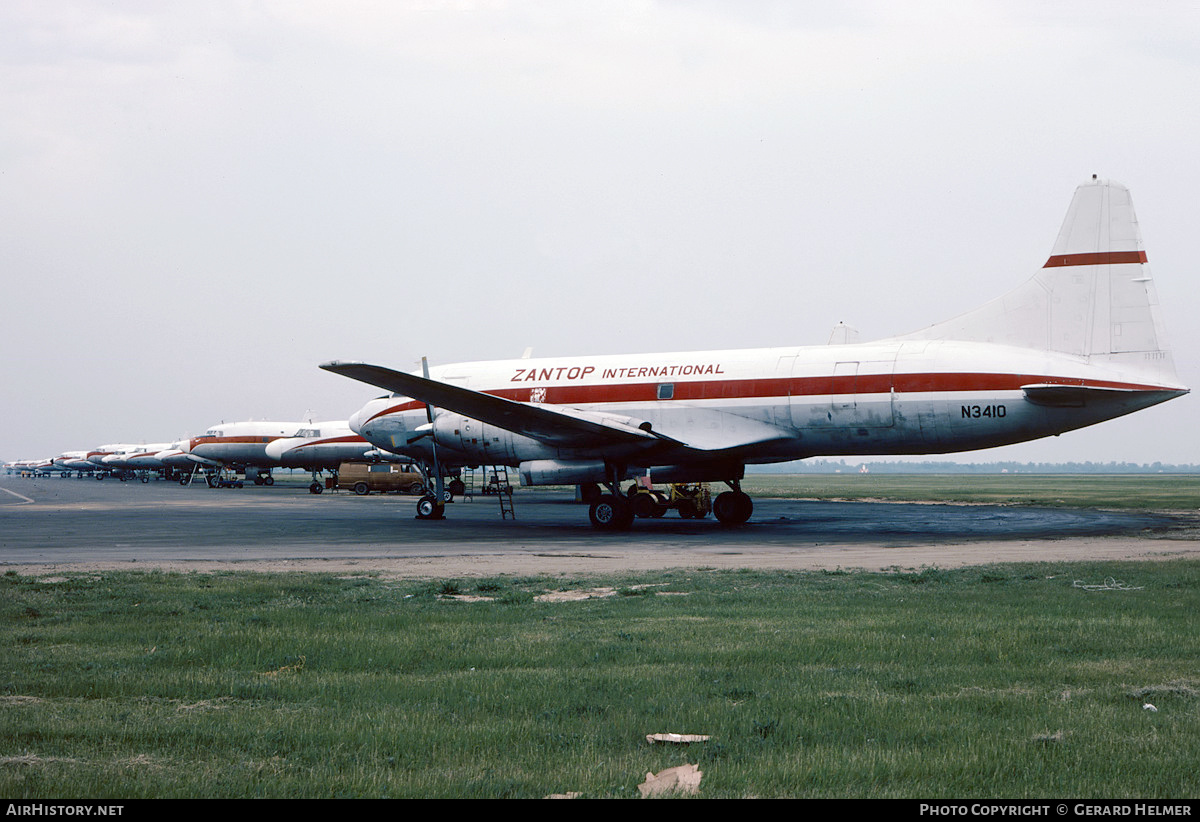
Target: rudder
[[1093, 298]]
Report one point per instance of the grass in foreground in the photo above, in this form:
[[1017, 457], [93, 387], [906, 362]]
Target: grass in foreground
[[1122, 491], [1008, 681]]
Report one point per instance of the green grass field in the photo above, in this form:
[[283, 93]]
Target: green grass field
[[999, 682], [1136, 491]]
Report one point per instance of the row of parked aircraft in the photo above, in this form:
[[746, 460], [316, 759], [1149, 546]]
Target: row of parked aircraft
[[1079, 343], [252, 447]]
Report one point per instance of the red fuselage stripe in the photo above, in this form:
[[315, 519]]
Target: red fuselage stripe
[[331, 441], [788, 387], [233, 440], [1096, 258]]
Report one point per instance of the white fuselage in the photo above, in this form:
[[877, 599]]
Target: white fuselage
[[240, 443], [136, 458], [889, 397], [323, 446]]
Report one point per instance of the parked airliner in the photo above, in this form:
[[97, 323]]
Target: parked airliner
[[239, 445], [1079, 343], [323, 446]]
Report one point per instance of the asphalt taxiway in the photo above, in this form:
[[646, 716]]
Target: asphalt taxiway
[[69, 522]]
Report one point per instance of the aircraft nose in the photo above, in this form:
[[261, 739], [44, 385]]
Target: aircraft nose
[[359, 417], [275, 448]]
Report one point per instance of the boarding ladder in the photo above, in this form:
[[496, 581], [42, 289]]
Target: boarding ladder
[[503, 488]]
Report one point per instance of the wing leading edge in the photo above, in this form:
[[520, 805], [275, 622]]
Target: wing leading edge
[[556, 425]]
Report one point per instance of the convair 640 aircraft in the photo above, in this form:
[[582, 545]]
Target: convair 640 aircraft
[[1079, 343], [323, 446], [240, 446]]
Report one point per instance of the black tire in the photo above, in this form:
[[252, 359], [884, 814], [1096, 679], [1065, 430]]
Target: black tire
[[660, 504], [457, 487], [429, 508], [644, 506], [416, 488], [315, 488], [733, 507], [362, 489], [610, 513]]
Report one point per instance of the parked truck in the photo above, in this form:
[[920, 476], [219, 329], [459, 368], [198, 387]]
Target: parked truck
[[393, 478]]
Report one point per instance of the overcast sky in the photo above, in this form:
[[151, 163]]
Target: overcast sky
[[201, 201]]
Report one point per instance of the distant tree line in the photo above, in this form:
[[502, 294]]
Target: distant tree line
[[824, 466]]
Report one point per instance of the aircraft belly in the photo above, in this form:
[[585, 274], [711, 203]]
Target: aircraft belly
[[842, 414], [971, 421], [233, 454]]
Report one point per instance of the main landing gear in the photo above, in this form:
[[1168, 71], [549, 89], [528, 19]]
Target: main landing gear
[[615, 512]]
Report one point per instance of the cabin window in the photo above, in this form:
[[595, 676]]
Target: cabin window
[[666, 390]]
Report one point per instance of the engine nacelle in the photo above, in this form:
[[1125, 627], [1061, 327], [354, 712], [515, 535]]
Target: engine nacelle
[[485, 444], [566, 472]]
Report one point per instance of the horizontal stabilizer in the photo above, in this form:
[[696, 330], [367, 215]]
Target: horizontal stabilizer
[[1079, 396]]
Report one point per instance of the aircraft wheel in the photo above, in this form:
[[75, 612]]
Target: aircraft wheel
[[610, 513], [362, 489], [660, 505], [429, 508], [645, 506], [268, 480], [733, 507], [315, 488], [457, 487]]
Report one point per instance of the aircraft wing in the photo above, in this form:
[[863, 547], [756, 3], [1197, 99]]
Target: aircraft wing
[[566, 427], [711, 431]]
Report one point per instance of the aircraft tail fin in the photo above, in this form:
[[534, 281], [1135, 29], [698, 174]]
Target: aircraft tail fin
[[1093, 298]]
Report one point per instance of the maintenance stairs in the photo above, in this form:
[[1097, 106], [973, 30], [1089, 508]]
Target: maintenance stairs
[[495, 481]]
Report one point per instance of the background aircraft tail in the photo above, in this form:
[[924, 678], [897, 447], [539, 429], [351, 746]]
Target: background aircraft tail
[[1094, 297]]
